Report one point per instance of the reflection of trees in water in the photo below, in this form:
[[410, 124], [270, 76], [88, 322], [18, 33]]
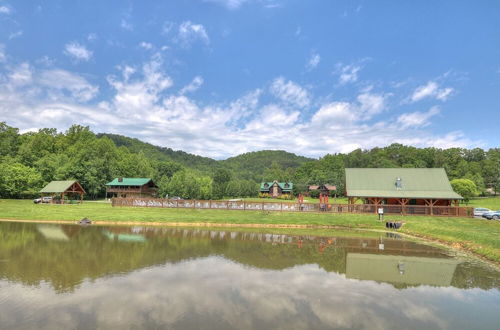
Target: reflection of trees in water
[[31, 255]]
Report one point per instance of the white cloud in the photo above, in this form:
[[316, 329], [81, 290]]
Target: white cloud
[[142, 104], [81, 90], [146, 45], [77, 51], [290, 92], [367, 106], [431, 90], [3, 57], [167, 27], [126, 25], [136, 97], [229, 4], [371, 104], [313, 61], [188, 33], [15, 35], [21, 75], [335, 112], [192, 86], [92, 37], [347, 73], [417, 119], [444, 93], [5, 10]]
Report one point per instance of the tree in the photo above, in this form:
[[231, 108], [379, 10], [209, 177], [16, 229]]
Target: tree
[[275, 172], [464, 187], [18, 180], [220, 180], [9, 137], [234, 189]]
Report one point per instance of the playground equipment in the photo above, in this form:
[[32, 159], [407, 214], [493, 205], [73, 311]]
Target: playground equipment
[[323, 202]]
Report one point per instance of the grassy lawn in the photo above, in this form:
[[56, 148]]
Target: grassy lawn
[[477, 235], [492, 203]]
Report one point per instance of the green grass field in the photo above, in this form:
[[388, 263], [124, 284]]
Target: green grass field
[[492, 203], [476, 235]]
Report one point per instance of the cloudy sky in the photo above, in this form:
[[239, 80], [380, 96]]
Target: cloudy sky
[[223, 77]]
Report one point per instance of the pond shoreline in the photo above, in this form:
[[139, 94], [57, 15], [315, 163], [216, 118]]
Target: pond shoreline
[[455, 246]]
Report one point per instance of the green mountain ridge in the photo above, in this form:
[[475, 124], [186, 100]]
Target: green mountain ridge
[[250, 165]]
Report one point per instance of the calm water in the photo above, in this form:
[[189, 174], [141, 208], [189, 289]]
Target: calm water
[[72, 277]]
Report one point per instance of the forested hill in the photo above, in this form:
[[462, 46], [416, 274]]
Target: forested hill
[[161, 153], [30, 160], [251, 165]]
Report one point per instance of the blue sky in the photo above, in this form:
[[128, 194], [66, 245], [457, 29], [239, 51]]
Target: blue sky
[[222, 77]]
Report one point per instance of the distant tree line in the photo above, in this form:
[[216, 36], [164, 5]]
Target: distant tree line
[[31, 160]]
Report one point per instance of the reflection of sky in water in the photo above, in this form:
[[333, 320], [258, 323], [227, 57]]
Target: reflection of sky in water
[[215, 293]]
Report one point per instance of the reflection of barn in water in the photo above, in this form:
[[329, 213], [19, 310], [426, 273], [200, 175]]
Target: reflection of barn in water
[[401, 269], [119, 249], [385, 259]]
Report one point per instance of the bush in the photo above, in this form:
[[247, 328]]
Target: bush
[[264, 195], [464, 187]]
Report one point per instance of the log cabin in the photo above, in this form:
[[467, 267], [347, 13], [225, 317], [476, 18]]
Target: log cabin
[[276, 189], [326, 189], [131, 187]]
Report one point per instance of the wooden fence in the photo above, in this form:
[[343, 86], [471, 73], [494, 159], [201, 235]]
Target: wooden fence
[[449, 211]]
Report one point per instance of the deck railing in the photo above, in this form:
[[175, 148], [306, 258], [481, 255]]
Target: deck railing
[[449, 211]]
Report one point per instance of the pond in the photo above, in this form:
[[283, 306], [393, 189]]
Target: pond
[[74, 277]]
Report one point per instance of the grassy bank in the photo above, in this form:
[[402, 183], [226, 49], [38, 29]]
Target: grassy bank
[[476, 235], [492, 203]]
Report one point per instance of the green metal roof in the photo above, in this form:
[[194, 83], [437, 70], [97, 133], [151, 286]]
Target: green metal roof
[[129, 182], [57, 186], [280, 184], [415, 183]]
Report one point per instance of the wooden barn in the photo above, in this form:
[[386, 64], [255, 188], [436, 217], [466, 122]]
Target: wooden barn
[[400, 186], [131, 187], [58, 190], [326, 189], [276, 189]]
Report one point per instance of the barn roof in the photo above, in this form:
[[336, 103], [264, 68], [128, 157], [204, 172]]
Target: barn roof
[[57, 186], [129, 182], [429, 183], [323, 186]]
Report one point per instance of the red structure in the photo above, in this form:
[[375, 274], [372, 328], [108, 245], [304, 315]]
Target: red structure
[[300, 198]]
